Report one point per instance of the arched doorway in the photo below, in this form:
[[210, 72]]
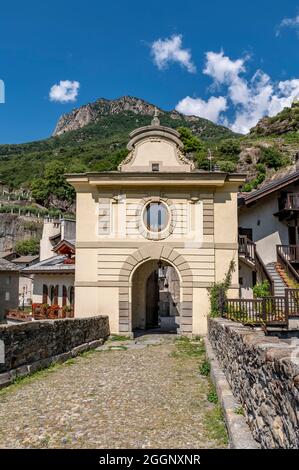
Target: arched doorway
[[155, 296]]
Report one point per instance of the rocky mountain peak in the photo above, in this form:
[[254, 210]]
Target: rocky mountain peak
[[92, 112], [285, 121]]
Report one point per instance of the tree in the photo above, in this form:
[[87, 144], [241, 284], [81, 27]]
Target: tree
[[192, 144], [52, 184], [229, 149], [27, 247]]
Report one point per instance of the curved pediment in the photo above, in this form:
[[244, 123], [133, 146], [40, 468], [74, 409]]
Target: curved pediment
[[155, 148]]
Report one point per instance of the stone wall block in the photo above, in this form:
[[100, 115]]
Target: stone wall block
[[263, 377]]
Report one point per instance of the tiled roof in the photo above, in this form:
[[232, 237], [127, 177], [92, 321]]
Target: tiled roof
[[51, 265], [26, 259], [3, 254], [275, 185], [7, 265]]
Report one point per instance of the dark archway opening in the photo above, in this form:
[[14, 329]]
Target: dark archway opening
[[155, 297]]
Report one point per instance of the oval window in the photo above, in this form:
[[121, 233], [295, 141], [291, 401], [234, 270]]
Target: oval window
[[156, 217]]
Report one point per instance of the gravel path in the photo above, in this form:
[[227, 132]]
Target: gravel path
[[145, 396]]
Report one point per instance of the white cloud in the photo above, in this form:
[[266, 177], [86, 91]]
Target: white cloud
[[210, 109], [288, 23], [165, 51], [246, 99], [221, 68], [66, 91], [265, 98]]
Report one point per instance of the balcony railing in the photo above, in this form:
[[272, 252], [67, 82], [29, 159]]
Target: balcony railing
[[247, 248], [269, 311], [292, 201]]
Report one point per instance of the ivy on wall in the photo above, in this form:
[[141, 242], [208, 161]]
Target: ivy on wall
[[218, 292]]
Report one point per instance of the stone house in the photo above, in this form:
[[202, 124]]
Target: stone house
[[9, 287], [26, 281], [269, 227], [154, 219], [53, 276]]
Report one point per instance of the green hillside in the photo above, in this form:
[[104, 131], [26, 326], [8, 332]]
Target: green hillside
[[96, 147], [268, 150]]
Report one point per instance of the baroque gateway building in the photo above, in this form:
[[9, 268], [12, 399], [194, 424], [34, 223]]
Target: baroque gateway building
[[153, 236]]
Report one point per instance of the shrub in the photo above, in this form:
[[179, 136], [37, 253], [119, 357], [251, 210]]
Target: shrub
[[229, 149], [253, 184], [262, 289], [226, 166], [27, 247], [273, 158], [202, 162], [261, 168]]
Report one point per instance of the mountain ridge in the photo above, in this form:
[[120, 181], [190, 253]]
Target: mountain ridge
[[92, 113]]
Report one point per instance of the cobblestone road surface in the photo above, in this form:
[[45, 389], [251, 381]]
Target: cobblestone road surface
[[144, 396]]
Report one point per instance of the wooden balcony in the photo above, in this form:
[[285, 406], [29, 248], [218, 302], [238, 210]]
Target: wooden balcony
[[246, 248], [288, 206], [292, 202], [289, 252]]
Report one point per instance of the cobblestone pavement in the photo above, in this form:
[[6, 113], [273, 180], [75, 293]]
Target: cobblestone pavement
[[133, 394]]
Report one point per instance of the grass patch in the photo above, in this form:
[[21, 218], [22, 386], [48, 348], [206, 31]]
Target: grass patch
[[215, 426], [42, 373], [239, 410], [20, 381], [186, 347], [118, 338], [88, 353], [205, 368], [212, 396], [70, 362]]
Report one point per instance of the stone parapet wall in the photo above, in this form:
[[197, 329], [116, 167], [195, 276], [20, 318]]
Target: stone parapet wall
[[35, 345], [264, 377]]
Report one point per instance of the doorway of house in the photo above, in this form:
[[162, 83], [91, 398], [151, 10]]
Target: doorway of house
[[155, 297]]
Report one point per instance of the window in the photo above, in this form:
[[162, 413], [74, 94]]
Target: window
[[54, 292], [64, 296], [155, 167], [45, 294], [71, 296], [7, 296], [156, 217]]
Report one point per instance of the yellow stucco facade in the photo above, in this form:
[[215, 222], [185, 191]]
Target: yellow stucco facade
[[116, 246]]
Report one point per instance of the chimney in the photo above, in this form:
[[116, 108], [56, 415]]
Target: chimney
[[51, 228]]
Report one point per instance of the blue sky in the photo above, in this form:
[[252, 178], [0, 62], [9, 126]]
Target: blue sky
[[108, 48]]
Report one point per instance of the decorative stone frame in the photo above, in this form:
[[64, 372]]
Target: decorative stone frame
[[172, 218], [156, 252]]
